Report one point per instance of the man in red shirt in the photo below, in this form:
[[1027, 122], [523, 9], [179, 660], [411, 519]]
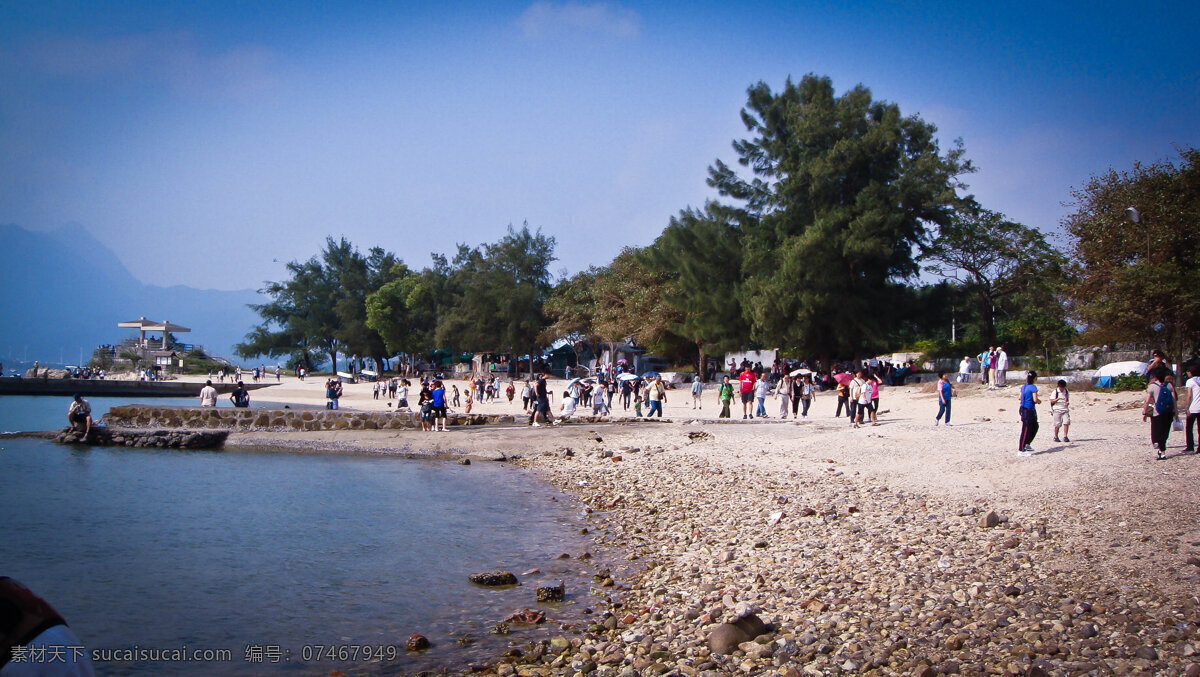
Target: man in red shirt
[[747, 380]]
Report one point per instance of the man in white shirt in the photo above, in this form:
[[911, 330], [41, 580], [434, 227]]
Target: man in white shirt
[[208, 395], [1193, 410], [1001, 367], [964, 370]]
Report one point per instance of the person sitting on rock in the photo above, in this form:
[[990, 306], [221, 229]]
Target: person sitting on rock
[[80, 415]]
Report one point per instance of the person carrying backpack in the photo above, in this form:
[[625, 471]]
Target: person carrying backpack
[[725, 396], [1160, 409]]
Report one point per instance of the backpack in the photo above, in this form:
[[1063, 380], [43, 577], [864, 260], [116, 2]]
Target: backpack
[[1165, 404]]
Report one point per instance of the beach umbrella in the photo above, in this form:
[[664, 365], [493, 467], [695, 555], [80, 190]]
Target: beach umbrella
[[628, 377], [1122, 368], [844, 377], [650, 375], [802, 372]]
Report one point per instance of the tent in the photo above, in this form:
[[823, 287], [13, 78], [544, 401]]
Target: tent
[[1109, 372]]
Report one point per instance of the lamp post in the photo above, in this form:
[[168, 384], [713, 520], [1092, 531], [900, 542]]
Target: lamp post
[[1136, 216]]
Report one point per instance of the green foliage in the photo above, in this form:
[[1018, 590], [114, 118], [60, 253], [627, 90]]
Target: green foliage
[[1127, 383], [404, 310], [842, 191], [1006, 267], [1139, 281], [321, 308], [495, 294], [701, 254]]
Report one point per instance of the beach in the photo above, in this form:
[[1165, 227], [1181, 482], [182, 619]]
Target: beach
[[902, 548]]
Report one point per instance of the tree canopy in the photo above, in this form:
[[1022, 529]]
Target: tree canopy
[[998, 259], [1138, 280], [841, 192]]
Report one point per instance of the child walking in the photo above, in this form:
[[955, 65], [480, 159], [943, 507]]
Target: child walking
[[1060, 409]]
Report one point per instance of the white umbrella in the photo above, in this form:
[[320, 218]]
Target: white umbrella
[[628, 377], [802, 372], [1122, 368]]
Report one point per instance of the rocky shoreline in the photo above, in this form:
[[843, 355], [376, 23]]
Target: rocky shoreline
[[851, 576], [902, 549], [848, 574]]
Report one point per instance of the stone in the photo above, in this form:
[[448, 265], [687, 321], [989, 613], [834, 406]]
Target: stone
[[531, 616], [416, 642], [551, 593], [1147, 653], [725, 638], [991, 519], [494, 578]]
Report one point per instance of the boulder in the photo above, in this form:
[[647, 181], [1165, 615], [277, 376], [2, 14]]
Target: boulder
[[551, 593], [494, 578], [727, 636]]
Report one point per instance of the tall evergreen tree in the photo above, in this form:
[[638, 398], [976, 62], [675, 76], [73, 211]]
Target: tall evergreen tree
[[843, 188], [702, 250]]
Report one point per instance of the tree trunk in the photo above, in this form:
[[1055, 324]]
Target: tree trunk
[[702, 371]]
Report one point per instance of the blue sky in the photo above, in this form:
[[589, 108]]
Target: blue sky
[[229, 135]]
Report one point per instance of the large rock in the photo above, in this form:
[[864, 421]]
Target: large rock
[[494, 578], [727, 636], [551, 593]]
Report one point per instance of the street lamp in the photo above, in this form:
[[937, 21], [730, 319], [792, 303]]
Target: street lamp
[[1136, 216]]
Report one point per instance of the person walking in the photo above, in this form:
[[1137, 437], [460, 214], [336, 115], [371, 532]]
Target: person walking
[[402, 395], [657, 394], [784, 394], [806, 393], [1028, 412], [746, 379], [208, 395], [1001, 367], [843, 399], [724, 396], [762, 388], [1193, 407], [964, 369], [1060, 411], [990, 368], [697, 391], [240, 396], [425, 402], [945, 391], [438, 400], [863, 400], [542, 405], [1159, 408]]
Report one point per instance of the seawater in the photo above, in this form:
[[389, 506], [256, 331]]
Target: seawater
[[274, 557], [49, 412]]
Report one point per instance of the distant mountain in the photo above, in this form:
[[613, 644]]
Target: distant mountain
[[66, 292]]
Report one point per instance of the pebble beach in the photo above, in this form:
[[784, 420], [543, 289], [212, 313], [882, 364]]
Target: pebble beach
[[901, 548]]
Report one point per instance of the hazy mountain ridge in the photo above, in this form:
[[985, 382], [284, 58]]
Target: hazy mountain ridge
[[65, 292]]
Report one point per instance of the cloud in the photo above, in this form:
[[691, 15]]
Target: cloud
[[545, 18]]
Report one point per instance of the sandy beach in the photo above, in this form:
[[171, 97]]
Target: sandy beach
[[902, 548]]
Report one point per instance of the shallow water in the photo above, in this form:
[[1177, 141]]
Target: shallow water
[[274, 553], [49, 412]]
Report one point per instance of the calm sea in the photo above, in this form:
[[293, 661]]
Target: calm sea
[[280, 556]]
